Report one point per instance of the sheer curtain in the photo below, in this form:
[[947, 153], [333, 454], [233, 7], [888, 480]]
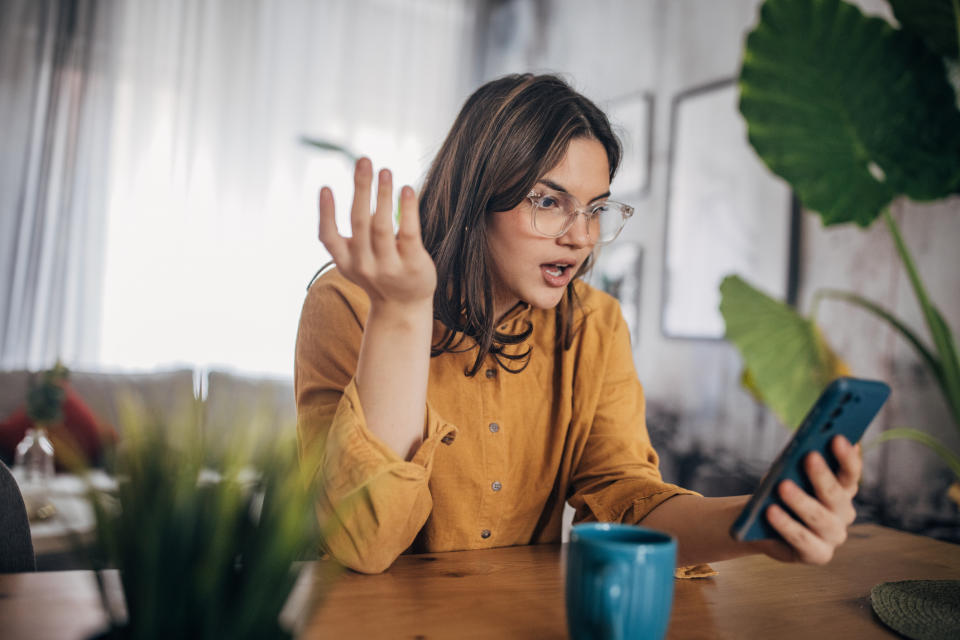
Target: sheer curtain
[[209, 219], [55, 103]]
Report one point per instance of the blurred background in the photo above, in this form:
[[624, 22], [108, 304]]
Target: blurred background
[[161, 161]]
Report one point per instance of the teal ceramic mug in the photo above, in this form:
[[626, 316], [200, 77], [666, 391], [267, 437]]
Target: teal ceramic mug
[[619, 583]]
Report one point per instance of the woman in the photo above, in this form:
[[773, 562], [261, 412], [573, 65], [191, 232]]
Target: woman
[[465, 414]]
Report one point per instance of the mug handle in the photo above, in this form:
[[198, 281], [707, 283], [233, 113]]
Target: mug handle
[[612, 586]]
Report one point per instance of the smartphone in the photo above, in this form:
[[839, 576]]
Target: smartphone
[[846, 407]]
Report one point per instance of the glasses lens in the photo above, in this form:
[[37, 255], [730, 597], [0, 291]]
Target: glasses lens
[[550, 214], [554, 213], [611, 219]]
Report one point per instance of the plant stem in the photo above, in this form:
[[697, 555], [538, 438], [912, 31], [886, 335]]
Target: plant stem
[[906, 433], [922, 350], [956, 23], [939, 331]]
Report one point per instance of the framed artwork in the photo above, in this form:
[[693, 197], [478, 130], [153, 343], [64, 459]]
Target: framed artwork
[[632, 118], [725, 213], [619, 272]]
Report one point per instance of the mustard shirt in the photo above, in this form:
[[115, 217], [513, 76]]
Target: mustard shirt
[[502, 451]]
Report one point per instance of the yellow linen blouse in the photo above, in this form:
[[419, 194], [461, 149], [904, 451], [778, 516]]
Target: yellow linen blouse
[[502, 451]]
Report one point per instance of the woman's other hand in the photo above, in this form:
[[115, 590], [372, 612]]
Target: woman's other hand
[[824, 519], [394, 269]]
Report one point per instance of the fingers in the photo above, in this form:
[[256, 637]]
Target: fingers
[[408, 236], [828, 488], [828, 525], [821, 521], [360, 213], [382, 238], [807, 546], [335, 244], [851, 463]]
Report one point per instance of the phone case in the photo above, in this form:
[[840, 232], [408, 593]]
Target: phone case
[[846, 407]]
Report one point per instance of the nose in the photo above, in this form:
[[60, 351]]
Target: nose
[[578, 235]]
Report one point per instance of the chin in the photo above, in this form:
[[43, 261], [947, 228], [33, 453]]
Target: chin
[[546, 300]]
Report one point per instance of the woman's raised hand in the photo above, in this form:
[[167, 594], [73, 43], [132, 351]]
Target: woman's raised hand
[[394, 270]]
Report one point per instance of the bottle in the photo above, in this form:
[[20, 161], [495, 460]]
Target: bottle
[[33, 468]]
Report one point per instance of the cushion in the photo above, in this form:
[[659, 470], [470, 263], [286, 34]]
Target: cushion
[[248, 410], [79, 431], [158, 398], [14, 386]]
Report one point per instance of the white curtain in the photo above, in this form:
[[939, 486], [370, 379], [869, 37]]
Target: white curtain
[[209, 223], [55, 101]]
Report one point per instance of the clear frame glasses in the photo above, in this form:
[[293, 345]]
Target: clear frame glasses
[[554, 213]]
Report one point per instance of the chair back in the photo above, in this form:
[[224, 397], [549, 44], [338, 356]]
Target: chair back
[[16, 545]]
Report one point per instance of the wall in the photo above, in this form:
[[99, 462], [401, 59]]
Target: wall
[[711, 434]]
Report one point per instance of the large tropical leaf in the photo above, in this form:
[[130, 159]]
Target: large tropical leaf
[[787, 362], [936, 21], [850, 111]]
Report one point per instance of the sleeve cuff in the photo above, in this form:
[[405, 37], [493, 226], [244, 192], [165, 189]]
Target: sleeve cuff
[[636, 507], [354, 454]]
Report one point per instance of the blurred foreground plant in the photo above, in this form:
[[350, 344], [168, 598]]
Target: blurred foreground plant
[[202, 553]]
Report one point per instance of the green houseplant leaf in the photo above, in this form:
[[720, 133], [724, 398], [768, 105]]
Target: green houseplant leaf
[[202, 552], [850, 111], [936, 21], [787, 361]]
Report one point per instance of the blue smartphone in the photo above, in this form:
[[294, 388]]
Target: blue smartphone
[[846, 407]]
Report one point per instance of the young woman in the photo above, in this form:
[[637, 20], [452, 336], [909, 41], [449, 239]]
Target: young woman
[[457, 382]]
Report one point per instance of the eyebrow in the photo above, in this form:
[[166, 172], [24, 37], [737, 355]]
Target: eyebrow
[[556, 187]]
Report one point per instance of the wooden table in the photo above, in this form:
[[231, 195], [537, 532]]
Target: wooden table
[[517, 592]]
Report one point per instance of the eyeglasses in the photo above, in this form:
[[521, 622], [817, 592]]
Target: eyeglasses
[[555, 212]]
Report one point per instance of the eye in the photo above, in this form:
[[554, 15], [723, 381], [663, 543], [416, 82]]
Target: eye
[[600, 207], [547, 202]]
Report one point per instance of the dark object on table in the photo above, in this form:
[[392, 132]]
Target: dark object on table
[[16, 545], [919, 609]]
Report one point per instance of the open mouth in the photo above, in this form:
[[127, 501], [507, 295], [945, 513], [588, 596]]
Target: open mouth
[[556, 270]]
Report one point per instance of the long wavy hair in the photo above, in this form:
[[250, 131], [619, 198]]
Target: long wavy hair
[[508, 134]]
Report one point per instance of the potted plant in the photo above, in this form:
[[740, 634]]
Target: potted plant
[[201, 551], [853, 113]]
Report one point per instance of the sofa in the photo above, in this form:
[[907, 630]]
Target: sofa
[[234, 404]]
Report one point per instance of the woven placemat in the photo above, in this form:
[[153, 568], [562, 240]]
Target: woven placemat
[[919, 609]]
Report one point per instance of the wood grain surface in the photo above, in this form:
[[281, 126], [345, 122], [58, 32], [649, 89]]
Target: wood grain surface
[[517, 592]]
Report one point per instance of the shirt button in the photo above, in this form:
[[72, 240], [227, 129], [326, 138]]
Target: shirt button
[[449, 438], [491, 373], [496, 486], [485, 534], [494, 427]]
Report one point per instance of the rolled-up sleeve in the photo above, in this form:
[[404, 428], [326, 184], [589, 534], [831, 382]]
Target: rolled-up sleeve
[[370, 502], [617, 477]]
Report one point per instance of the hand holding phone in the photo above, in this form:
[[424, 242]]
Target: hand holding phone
[[846, 407]]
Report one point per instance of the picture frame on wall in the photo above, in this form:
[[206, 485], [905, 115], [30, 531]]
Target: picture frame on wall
[[632, 118], [726, 213], [619, 272]]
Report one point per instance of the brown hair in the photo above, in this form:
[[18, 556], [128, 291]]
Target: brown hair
[[508, 134]]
